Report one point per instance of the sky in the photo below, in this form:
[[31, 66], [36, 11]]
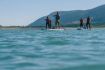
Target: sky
[[24, 12]]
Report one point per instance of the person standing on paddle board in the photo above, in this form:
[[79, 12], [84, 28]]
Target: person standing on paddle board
[[81, 23], [88, 26], [48, 23], [57, 20]]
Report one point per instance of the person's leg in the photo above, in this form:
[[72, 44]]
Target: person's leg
[[56, 24], [81, 25], [50, 25], [89, 26], [46, 25]]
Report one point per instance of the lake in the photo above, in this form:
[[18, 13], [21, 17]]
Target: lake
[[33, 49]]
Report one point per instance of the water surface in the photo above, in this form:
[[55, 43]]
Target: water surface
[[31, 49]]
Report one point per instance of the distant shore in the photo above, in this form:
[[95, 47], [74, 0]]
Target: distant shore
[[21, 27], [38, 27]]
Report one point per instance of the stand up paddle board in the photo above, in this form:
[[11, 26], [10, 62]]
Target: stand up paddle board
[[81, 28], [57, 29]]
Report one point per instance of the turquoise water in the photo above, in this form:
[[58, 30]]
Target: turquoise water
[[30, 49]]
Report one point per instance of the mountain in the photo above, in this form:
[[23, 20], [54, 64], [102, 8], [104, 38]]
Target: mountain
[[72, 17]]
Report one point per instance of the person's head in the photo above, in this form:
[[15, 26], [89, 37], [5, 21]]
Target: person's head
[[47, 17], [57, 12], [88, 16]]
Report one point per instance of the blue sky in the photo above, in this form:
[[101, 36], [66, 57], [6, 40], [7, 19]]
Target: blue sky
[[23, 12]]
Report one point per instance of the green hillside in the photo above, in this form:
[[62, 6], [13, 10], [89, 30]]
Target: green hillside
[[73, 17]]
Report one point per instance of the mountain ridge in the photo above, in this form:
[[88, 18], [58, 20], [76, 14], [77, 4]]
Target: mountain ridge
[[69, 17]]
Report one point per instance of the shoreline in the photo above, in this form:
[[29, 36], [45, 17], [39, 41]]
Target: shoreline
[[22, 27]]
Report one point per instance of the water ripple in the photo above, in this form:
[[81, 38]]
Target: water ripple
[[30, 49]]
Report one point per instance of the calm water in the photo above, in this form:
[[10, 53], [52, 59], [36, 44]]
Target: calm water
[[30, 49]]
